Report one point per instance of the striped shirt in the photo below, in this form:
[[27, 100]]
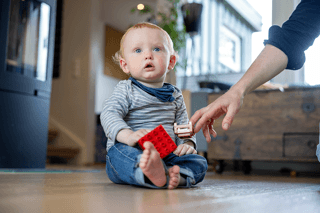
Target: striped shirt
[[129, 107]]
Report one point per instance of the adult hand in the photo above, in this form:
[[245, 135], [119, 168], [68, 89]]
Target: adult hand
[[229, 104], [185, 149], [268, 64]]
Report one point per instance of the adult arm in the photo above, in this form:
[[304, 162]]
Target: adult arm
[[298, 33], [268, 64], [284, 49]]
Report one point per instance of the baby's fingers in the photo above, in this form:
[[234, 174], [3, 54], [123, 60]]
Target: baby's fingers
[[185, 150], [178, 150], [145, 131], [191, 150], [142, 132]]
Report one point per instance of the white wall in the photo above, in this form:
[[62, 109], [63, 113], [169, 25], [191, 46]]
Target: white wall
[[78, 94], [116, 14], [70, 110]]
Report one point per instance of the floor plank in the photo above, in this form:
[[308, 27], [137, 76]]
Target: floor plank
[[94, 192]]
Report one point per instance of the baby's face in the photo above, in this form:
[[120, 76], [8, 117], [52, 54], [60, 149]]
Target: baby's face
[[146, 55]]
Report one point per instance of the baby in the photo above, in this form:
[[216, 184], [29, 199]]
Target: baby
[[140, 104]]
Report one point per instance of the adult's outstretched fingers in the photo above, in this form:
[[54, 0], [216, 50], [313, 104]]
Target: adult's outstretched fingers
[[228, 119], [195, 117], [211, 129], [212, 111], [206, 134]]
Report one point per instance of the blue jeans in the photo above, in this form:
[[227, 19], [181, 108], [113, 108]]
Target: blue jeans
[[122, 166]]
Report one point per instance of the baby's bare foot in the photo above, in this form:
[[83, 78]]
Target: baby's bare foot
[[151, 165], [174, 173]]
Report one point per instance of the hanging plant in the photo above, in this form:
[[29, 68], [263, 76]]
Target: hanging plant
[[192, 17]]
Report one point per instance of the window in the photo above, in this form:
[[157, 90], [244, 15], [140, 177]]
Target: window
[[264, 8], [312, 64], [223, 46], [229, 50]]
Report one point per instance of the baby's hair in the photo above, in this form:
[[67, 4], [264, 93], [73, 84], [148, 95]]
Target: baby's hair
[[119, 54]]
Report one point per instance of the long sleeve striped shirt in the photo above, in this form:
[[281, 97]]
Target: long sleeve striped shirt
[[129, 107]]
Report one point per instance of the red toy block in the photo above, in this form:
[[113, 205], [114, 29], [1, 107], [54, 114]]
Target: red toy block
[[161, 141]]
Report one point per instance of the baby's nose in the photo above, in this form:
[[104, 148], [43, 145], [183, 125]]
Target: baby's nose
[[148, 55]]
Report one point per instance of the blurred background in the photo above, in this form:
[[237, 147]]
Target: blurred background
[[217, 42]]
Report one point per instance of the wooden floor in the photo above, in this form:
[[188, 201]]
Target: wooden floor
[[94, 192]]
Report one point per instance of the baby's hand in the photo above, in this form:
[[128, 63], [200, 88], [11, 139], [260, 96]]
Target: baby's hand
[[184, 149], [134, 137]]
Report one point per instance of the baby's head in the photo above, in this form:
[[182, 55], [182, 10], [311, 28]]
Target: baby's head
[[146, 53], [120, 53]]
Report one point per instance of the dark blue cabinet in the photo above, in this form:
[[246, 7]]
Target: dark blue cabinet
[[26, 59]]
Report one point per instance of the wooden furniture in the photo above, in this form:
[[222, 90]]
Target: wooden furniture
[[271, 126]]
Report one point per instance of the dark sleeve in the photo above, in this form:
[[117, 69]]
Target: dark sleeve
[[298, 33]]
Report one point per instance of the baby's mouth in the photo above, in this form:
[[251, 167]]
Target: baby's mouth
[[150, 65]]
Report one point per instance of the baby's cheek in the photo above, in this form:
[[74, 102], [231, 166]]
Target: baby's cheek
[[162, 61]]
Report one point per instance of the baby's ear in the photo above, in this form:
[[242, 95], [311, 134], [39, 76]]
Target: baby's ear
[[124, 65], [172, 62]]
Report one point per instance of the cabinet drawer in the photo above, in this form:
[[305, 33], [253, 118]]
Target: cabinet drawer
[[300, 144]]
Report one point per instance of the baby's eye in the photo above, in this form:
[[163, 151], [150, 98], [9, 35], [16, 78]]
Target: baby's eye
[[138, 50], [157, 49]]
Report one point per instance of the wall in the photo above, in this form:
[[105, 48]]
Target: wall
[[70, 106], [96, 67], [117, 15], [78, 94]]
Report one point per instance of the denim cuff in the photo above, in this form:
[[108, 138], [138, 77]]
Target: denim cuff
[[189, 178]]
